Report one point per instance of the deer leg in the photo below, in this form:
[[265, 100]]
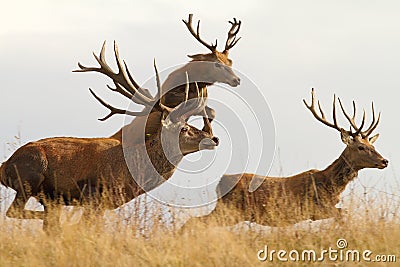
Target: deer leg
[[25, 177], [328, 212], [219, 217], [90, 212], [208, 116], [17, 209], [26, 185], [51, 220], [194, 223], [340, 213]]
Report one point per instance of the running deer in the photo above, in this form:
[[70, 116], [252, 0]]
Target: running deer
[[103, 171], [309, 195], [203, 70]]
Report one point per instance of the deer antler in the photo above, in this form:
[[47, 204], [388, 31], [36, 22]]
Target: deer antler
[[358, 129], [114, 110], [179, 113], [322, 118], [123, 81], [373, 125], [352, 119], [126, 86], [196, 34], [231, 41], [183, 111], [146, 111]]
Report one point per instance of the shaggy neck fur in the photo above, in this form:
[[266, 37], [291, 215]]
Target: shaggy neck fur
[[337, 175]]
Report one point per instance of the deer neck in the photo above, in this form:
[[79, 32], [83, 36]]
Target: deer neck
[[177, 78], [337, 175], [164, 166], [147, 163]]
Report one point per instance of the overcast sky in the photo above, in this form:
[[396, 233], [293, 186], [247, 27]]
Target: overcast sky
[[350, 48]]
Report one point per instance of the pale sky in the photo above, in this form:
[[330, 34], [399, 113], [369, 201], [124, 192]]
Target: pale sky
[[350, 48]]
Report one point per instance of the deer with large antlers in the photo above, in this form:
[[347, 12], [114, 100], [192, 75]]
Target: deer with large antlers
[[104, 171], [204, 70], [309, 195]]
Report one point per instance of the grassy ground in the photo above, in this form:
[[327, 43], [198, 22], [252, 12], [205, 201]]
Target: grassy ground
[[100, 243]]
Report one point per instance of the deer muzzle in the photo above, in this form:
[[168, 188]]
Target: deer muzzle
[[235, 82], [383, 164], [209, 143]]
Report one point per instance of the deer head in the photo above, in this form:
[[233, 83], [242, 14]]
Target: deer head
[[188, 139], [219, 67], [360, 152], [173, 121]]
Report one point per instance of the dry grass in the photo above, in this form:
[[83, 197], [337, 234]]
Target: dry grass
[[97, 242], [372, 223]]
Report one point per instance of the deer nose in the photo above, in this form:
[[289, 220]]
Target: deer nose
[[215, 140], [385, 162], [237, 80]]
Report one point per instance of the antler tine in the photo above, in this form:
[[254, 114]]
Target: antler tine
[[102, 52], [322, 119], [100, 60], [373, 125], [126, 82], [320, 110], [372, 122], [114, 110], [362, 124], [158, 81], [194, 107], [353, 125], [159, 90], [120, 90], [143, 91], [351, 120], [354, 110], [179, 112], [196, 35], [104, 67], [187, 87], [123, 80], [231, 41], [334, 112], [197, 105]]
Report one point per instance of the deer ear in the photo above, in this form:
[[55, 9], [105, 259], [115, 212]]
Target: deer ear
[[373, 138], [195, 57], [346, 137]]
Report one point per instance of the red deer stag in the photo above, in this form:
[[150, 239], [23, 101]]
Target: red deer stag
[[103, 170], [309, 195], [204, 69]]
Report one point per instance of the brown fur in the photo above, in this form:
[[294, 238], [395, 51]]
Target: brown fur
[[284, 201], [90, 170], [205, 70], [174, 88]]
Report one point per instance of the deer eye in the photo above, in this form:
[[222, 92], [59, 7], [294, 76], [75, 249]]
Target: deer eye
[[361, 148], [185, 129]]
